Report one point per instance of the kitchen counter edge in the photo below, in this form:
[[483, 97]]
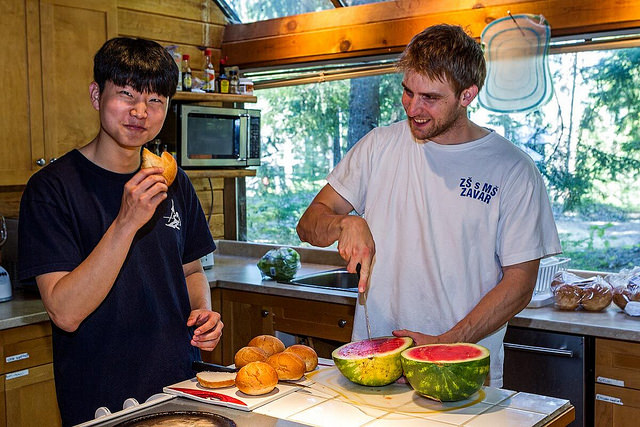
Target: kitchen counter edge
[[239, 272]]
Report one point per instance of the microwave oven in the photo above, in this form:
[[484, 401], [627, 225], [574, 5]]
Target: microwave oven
[[212, 137]]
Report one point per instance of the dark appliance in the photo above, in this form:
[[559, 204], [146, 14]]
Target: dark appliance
[[552, 364]]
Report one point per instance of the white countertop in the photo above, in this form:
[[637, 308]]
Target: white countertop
[[331, 400]]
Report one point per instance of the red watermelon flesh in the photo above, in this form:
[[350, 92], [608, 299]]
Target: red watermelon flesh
[[372, 347], [444, 353]]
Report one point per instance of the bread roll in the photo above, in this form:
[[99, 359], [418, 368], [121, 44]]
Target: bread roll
[[307, 354], [567, 297], [246, 355], [596, 297], [621, 296], [269, 343], [256, 378], [216, 379], [288, 365], [167, 162]]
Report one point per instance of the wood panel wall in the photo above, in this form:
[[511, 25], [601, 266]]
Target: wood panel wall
[[192, 25], [387, 27], [340, 33]]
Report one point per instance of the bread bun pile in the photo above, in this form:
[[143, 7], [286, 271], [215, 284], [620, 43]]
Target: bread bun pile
[[283, 364], [306, 353], [624, 294], [626, 286], [167, 162], [288, 365], [246, 355], [571, 292], [216, 379], [270, 344], [256, 378]]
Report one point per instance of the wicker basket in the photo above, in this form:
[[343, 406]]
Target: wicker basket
[[548, 268]]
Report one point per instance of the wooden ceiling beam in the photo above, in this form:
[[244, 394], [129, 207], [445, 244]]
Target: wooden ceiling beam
[[388, 26]]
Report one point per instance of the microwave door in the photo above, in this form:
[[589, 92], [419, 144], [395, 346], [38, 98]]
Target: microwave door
[[212, 140]]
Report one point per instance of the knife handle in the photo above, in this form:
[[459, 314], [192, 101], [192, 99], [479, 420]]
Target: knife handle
[[200, 366]]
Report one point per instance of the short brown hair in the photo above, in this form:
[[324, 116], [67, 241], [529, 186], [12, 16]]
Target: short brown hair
[[447, 53]]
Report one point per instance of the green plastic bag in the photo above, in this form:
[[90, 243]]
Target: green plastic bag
[[279, 264]]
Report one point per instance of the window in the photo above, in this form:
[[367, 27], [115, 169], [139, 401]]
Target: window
[[245, 11], [585, 141]]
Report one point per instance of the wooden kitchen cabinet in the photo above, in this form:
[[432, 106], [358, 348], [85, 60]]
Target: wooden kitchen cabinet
[[30, 399], [617, 390], [27, 382], [245, 315], [322, 325], [46, 79]]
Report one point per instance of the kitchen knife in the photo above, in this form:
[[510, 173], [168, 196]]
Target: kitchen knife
[[362, 296], [200, 366], [363, 301]]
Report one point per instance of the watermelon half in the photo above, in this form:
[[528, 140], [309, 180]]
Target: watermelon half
[[446, 372], [375, 362]]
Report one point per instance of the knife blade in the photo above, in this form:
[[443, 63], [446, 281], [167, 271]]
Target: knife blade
[[200, 366], [363, 300]]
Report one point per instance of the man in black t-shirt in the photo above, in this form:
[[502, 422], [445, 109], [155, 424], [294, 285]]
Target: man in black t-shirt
[[115, 251]]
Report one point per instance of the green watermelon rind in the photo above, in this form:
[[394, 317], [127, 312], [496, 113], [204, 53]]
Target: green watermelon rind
[[373, 371], [446, 381]]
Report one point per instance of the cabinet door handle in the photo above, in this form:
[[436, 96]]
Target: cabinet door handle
[[342, 323], [264, 313], [53, 159], [539, 350], [41, 162]]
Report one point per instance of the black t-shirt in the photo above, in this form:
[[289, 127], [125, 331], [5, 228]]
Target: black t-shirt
[[137, 340]]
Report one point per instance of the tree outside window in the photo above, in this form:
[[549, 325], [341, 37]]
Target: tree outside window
[[585, 141]]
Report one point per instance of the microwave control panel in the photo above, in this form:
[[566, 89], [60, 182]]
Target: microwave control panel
[[254, 141]]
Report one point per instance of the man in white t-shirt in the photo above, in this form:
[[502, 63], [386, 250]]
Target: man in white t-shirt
[[453, 218]]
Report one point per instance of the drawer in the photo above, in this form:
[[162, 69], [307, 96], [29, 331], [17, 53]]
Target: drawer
[[616, 406], [25, 347], [618, 363], [314, 319]]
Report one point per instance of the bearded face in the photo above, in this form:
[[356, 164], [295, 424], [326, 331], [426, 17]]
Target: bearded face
[[433, 110]]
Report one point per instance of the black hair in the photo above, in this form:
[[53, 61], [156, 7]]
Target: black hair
[[142, 64]]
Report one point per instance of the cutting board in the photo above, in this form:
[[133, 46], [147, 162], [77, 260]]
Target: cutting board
[[227, 396], [398, 398]]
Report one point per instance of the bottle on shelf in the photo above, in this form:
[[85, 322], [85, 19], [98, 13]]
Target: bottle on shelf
[[187, 81], [234, 82], [209, 73], [223, 80]]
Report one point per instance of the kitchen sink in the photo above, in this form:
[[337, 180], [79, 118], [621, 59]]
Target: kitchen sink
[[333, 279]]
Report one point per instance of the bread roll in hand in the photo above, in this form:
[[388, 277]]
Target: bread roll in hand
[[167, 162]]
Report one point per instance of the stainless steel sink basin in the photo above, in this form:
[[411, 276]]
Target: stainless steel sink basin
[[333, 279]]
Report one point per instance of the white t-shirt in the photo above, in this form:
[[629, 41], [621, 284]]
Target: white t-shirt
[[445, 219]]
